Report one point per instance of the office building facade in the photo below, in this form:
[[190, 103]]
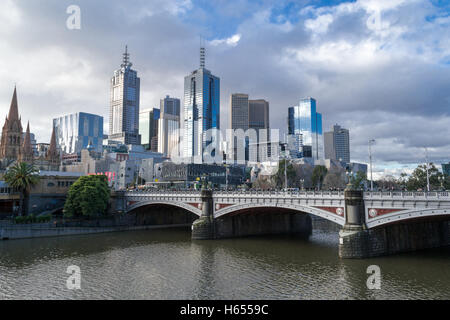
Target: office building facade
[[304, 119], [446, 169], [77, 131], [148, 128], [168, 127], [124, 106], [337, 144], [201, 110]]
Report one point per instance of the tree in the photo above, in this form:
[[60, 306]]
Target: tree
[[318, 176], [22, 177], [87, 197], [418, 179], [290, 173], [333, 180], [358, 179]]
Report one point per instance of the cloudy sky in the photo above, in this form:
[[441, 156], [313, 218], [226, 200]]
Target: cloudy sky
[[380, 68]]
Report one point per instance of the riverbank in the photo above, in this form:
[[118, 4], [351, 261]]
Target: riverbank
[[45, 230]]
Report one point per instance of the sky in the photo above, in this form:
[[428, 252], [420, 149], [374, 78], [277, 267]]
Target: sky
[[380, 68]]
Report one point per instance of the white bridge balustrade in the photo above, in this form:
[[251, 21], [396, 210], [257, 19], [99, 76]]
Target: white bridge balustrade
[[380, 207]]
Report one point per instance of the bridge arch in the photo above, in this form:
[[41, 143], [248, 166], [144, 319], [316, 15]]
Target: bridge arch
[[405, 216], [177, 204], [340, 220]]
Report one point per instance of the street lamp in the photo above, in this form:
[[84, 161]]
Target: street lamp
[[426, 168], [371, 141], [284, 145]]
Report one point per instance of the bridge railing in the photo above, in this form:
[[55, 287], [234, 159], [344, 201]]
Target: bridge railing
[[255, 193], [407, 194]]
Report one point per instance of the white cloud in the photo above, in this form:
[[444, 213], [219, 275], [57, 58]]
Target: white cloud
[[320, 24], [231, 41]]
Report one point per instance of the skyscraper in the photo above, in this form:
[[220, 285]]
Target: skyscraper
[[303, 119], [124, 111], [148, 128], [258, 117], [168, 126], [239, 111], [74, 132], [249, 114], [337, 144], [201, 109]]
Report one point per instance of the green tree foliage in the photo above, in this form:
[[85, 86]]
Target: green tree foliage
[[318, 176], [358, 180], [87, 197], [22, 177], [290, 172], [418, 179]]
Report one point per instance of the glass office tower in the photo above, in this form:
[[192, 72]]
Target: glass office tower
[[74, 132], [148, 128], [201, 110], [304, 120]]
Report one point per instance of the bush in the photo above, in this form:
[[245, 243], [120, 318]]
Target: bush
[[87, 197], [32, 219]]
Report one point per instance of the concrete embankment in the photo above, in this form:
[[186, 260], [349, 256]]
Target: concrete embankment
[[12, 232]]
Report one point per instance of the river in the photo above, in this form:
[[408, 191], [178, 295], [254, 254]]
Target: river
[[166, 264]]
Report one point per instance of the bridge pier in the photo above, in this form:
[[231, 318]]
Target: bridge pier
[[203, 228], [354, 236], [357, 241]]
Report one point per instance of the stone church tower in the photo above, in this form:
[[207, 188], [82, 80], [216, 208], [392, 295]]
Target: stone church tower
[[27, 154], [11, 141]]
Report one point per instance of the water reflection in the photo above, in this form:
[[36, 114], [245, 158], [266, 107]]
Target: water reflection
[[166, 264]]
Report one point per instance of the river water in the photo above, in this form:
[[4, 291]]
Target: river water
[[166, 264]]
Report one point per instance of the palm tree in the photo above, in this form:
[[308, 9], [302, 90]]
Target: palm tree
[[22, 176]]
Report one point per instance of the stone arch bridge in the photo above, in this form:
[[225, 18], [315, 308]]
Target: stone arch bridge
[[373, 223]]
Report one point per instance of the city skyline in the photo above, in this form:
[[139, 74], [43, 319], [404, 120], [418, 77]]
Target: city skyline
[[387, 109]]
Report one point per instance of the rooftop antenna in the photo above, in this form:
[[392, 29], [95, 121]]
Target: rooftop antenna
[[126, 59], [202, 54]]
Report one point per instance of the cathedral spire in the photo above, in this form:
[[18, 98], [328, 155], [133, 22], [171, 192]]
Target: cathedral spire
[[52, 154], [14, 109], [27, 150]]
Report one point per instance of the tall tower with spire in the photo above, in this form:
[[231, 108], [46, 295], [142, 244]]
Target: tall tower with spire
[[27, 154], [52, 155], [124, 104], [201, 109], [11, 141]]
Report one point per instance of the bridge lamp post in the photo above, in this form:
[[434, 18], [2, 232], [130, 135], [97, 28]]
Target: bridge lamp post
[[371, 141], [426, 168], [284, 145]]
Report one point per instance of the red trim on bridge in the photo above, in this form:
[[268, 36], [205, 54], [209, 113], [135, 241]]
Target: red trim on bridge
[[339, 211], [220, 206], [374, 212]]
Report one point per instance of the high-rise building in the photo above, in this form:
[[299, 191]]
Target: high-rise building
[[337, 144], [249, 114], [75, 132], [201, 109], [304, 119], [258, 117], [168, 127], [124, 111], [239, 111], [148, 128], [446, 168]]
